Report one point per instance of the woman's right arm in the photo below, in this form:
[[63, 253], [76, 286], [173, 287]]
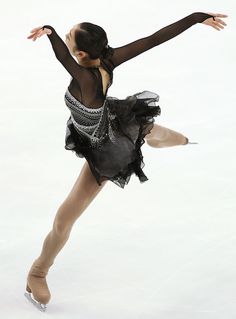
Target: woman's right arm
[[62, 53], [133, 49]]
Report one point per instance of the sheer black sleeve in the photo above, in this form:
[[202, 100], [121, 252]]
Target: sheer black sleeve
[[128, 51], [63, 54]]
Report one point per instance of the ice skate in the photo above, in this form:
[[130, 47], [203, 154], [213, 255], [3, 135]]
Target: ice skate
[[188, 142], [40, 306], [37, 290]]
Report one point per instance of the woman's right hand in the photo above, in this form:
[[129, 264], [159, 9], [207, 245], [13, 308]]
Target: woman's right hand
[[38, 32]]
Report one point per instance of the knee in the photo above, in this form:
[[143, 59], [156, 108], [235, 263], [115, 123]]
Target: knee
[[154, 143], [62, 226], [158, 133], [61, 229]]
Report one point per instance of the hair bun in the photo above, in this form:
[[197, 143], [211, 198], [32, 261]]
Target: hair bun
[[107, 51], [104, 50]]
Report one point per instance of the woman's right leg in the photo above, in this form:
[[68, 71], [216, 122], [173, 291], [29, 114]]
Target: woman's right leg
[[161, 136], [82, 194]]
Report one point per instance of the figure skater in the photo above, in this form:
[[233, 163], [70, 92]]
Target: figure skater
[[108, 132]]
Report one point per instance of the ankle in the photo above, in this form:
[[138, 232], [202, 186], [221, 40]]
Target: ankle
[[39, 269]]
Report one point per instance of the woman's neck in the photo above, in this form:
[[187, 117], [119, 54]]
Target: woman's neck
[[90, 63]]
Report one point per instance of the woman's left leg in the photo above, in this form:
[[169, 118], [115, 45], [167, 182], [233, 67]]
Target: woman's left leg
[[161, 136]]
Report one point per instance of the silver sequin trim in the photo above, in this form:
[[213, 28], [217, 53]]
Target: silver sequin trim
[[91, 122]]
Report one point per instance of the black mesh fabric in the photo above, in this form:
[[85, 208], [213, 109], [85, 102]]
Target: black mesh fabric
[[108, 131]]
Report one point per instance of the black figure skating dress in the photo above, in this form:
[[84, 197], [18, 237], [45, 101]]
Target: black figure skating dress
[[108, 131]]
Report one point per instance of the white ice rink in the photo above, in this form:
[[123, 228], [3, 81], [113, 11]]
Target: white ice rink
[[162, 249]]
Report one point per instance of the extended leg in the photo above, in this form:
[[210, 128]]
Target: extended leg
[[83, 192], [161, 136]]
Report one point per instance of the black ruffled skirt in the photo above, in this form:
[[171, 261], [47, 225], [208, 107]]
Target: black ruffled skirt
[[117, 158]]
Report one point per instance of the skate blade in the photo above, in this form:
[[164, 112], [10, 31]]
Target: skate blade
[[40, 306], [193, 143]]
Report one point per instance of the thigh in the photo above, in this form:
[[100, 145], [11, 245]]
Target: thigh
[[81, 195], [85, 185]]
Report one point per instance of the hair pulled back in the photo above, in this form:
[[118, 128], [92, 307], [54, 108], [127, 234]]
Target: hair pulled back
[[92, 39]]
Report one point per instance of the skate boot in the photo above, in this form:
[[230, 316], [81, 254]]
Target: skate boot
[[37, 290], [187, 142]]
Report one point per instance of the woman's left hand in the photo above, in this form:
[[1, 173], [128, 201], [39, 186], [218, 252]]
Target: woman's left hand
[[216, 23]]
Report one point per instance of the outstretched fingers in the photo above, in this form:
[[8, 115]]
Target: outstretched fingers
[[220, 21], [216, 25], [218, 15], [36, 33], [36, 29], [215, 21]]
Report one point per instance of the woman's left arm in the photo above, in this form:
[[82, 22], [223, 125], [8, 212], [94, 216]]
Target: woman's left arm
[[130, 50]]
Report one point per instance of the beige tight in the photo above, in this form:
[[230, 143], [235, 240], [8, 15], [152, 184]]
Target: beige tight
[[82, 194]]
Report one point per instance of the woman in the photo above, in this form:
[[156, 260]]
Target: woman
[[106, 131]]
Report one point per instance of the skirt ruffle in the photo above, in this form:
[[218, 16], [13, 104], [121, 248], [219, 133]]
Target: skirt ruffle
[[119, 154]]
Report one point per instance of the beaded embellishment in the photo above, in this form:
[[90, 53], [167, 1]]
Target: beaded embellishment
[[91, 122]]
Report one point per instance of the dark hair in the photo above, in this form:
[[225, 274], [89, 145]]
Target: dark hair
[[92, 39]]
